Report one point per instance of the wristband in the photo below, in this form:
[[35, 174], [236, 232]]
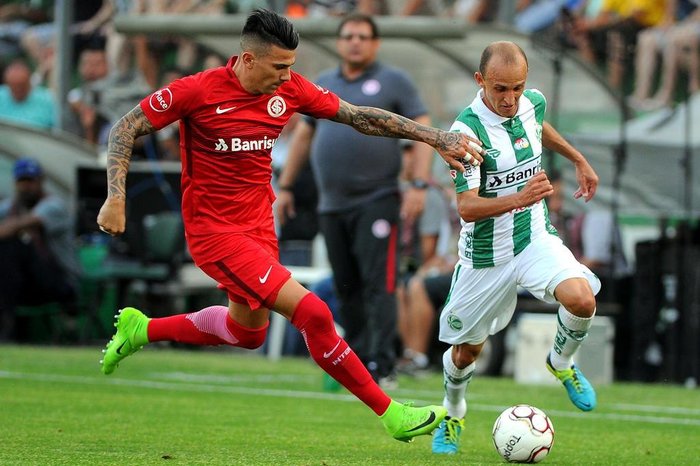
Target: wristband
[[419, 184]]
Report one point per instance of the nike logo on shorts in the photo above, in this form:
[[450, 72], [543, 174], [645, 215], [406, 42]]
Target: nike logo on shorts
[[263, 279], [220, 110], [328, 354]]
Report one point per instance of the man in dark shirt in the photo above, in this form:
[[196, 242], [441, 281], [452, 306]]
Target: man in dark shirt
[[36, 247], [359, 199]]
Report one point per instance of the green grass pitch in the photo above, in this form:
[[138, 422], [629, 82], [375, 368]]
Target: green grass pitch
[[222, 407]]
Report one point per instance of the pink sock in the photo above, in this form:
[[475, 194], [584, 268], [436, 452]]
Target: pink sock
[[210, 326]]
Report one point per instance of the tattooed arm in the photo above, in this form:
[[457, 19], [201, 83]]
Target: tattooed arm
[[453, 147], [112, 216]]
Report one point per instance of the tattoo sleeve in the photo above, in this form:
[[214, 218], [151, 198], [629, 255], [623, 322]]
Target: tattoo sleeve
[[378, 122], [119, 148]]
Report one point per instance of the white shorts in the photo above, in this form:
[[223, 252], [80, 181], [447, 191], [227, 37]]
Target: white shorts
[[482, 301]]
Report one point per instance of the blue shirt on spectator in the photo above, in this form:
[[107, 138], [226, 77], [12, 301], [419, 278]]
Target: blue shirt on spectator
[[36, 110]]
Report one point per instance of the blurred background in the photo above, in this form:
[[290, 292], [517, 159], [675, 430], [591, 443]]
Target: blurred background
[[621, 84]]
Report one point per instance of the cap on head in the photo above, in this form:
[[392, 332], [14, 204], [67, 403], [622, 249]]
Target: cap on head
[[27, 168]]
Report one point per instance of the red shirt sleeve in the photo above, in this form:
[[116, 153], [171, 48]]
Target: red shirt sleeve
[[172, 102], [315, 100]]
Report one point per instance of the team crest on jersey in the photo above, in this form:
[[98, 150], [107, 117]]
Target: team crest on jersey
[[521, 143], [276, 106], [161, 100]]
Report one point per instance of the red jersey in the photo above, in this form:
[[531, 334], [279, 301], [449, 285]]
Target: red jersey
[[226, 139]]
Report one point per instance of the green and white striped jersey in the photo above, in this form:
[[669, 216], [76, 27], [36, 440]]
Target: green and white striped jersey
[[513, 155]]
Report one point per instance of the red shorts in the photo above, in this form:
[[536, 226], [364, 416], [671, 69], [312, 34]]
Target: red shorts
[[250, 272]]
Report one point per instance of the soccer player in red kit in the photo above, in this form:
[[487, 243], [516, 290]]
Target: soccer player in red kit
[[230, 117]]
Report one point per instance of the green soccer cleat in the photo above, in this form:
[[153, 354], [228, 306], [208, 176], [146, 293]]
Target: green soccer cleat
[[404, 422], [581, 392], [446, 437], [131, 335]]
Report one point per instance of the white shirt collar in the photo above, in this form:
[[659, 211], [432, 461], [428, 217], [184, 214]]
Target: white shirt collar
[[493, 119]]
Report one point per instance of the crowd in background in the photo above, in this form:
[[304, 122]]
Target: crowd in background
[[647, 49]]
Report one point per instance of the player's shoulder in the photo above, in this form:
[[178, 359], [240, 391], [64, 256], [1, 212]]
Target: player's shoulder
[[535, 96], [468, 116]]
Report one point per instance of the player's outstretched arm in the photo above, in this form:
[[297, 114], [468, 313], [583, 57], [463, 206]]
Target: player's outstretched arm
[[112, 216], [453, 147], [585, 175]]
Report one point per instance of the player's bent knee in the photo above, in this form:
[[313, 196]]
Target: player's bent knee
[[252, 338], [312, 312]]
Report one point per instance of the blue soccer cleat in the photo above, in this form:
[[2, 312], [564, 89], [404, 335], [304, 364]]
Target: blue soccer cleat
[[581, 392], [446, 437]]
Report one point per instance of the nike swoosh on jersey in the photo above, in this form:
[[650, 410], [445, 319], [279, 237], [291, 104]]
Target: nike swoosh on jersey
[[263, 279], [220, 110], [328, 354]]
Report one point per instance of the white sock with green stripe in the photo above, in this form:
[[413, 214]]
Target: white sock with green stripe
[[456, 382], [571, 331]]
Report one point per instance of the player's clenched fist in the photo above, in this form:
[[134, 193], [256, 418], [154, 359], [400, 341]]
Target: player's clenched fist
[[536, 189], [112, 216]]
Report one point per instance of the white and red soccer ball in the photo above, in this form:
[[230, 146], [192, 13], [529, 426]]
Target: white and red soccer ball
[[523, 434]]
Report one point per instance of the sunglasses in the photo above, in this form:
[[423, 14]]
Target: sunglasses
[[361, 37]]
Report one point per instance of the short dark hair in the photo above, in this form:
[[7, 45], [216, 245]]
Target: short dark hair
[[264, 28], [508, 51], [358, 18]]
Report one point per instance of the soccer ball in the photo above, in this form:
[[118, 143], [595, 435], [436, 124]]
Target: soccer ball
[[523, 434]]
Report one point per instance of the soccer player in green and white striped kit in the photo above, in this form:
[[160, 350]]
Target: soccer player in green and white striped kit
[[507, 240]]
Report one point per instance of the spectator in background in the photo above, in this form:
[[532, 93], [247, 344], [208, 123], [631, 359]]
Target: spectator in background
[[38, 41], [16, 17], [425, 244], [360, 205], [536, 15], [297, 232], [20, 102], [426, 296], [473, 11], [610, 37], [36, 247], [315, 8], [150, 49], [595, 240], [83, 100], [676, 44]]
